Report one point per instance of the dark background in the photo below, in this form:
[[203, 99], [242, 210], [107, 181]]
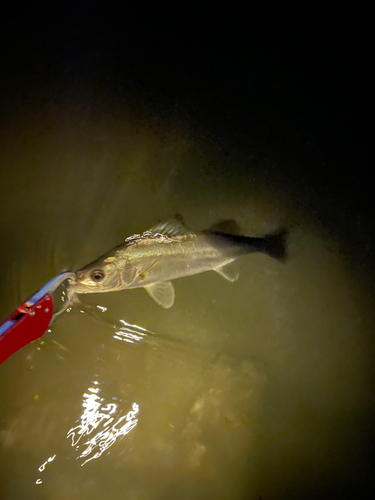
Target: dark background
[[287, 82], [290, 82]]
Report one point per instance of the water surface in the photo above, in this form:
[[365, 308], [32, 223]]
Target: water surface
[[260, 388]]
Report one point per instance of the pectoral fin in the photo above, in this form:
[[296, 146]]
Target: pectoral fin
[[230, 271], [162, 293]]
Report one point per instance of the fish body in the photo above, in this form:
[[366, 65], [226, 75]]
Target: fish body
[[169, 251]]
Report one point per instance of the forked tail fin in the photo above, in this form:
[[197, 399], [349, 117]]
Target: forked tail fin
[[275, 245]]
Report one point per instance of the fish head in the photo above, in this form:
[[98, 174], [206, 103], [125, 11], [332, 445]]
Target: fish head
[[99, 276]]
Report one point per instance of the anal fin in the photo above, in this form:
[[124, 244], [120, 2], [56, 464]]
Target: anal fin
[[162, 293], [229, 271]]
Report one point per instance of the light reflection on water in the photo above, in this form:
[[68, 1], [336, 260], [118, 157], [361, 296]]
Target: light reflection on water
[[102, 422], [132, 333], [129, 333], [42, 467]]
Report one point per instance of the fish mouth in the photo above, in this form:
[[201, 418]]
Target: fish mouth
[[79, 287], [73, 280]]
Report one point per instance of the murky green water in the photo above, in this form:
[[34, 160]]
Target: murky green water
[[260, 388]]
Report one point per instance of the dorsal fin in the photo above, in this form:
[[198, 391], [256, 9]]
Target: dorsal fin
[[171, 227], [227, 227]]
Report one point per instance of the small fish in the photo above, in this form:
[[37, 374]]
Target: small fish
[[169, 251]]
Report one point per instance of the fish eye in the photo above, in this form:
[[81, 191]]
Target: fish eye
[[97, 275]]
